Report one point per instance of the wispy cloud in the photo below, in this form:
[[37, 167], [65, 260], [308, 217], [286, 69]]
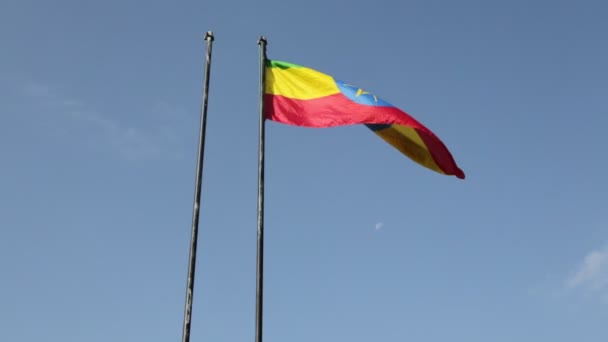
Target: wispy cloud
[[48, 95], [379, 225], [591, 275], [130, 142]]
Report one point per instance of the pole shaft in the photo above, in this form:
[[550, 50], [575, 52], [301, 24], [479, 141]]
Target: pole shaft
[[259, 295], [197, 194]]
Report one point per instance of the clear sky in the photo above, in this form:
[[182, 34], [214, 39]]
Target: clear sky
[[99, 115]]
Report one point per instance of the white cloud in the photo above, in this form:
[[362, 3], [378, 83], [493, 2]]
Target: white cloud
[[37, 89], [592, 274], [130, 142], [49, 96]]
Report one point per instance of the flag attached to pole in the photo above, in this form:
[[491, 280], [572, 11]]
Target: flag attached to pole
[[301, 96]]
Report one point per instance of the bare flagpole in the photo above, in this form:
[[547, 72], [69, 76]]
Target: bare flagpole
[[197, 194], [259, 293]]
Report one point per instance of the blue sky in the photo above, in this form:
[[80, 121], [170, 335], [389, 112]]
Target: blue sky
[[99, 105]]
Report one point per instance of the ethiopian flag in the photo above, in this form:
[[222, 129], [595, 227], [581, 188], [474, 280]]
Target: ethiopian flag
[[301, 96]]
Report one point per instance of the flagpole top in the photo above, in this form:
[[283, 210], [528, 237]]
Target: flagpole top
[[262, 40], [209, 35]]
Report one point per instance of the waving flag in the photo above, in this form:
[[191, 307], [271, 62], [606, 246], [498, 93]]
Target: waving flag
[[301, 96]]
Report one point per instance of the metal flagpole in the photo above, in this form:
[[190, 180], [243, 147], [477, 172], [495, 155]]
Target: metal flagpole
[[197, 194], [260, 257]]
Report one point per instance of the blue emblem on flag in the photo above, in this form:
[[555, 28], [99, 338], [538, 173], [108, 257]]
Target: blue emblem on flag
[[360, 96]]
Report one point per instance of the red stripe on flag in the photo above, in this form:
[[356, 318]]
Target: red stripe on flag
[[333, 110], [338, 110]]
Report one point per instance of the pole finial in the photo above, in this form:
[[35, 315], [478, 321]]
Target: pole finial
[[262, 40], [209, 35]]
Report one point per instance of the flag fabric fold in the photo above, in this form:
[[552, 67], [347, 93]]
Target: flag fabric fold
[[301, 96]]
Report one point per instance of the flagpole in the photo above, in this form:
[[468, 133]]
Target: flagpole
[[259, 294], [197, 194]]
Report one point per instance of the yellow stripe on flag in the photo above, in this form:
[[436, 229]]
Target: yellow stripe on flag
[[299, 83], [406, 140]]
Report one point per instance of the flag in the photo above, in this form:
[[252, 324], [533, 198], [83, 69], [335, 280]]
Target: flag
[[301, 96]]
